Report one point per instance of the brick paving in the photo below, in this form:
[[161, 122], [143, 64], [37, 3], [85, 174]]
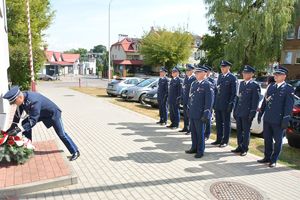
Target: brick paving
[[125, 155]]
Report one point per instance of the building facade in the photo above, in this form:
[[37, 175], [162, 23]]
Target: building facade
[[4, 64], [58, 63], [290, 56], [125, 57]]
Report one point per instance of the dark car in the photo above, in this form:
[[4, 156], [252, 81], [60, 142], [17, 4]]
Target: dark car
[[151, 98], [264, 81], [296, 84], [293, 131]]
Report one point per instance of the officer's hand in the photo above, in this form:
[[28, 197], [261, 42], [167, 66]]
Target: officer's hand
[[234, 116], [259, 118], [14, 131], [229, 108], [13, 125], [251, 116], [204, 120], [284, 125]]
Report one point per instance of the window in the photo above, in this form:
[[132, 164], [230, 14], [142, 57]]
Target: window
[[288, 57], [298, 57], [291, 33], [298, 32]]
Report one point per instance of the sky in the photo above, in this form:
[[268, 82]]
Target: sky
[[84, 23]]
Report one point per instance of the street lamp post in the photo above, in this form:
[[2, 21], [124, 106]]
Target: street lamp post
[[109, 67]]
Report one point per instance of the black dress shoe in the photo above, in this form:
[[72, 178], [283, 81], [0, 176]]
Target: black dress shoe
[[243, 153], [158, 122], [264, 160], [272, 165], [163, 123], [183, 130], [198, 155], [75, 156], [237, 150], [174, 127], [191, 151], [188, 133], [222, 145], [170, 126], [215, 143]]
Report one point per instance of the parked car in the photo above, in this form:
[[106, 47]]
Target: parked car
[[138, 92], [263, 81], [151, 98], [293, 131], [46, 77], [296, 84], [116, 86]]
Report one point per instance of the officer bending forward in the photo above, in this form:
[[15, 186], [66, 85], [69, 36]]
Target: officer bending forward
[[38, 108]]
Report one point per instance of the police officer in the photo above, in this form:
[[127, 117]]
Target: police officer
[[213, 86], [175, 90], [277, 108], [38, 108], [245, 109], [162, 95], [201, 100], [188, 80], [225, 99]]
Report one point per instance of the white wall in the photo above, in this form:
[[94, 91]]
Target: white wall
[[4, 64]]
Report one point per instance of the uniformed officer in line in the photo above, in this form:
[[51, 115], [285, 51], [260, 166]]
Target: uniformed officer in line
[[213, 86], [188, 80], [225, 100], [201, 101], [277, 107], [245, 109], [38, 108], [162, 96], [175, 91]]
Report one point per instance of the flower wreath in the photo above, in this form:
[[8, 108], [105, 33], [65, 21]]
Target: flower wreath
[[17, 148]]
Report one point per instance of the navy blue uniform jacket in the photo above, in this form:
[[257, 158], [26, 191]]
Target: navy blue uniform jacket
[[278, 104], [39, 108], [186, 88], [175, 89], [247, 99], [162, 91]]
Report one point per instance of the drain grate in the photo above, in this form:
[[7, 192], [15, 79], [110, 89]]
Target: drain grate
[[225, 190]]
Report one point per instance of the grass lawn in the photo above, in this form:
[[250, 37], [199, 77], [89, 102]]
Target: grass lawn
[[289, 156]]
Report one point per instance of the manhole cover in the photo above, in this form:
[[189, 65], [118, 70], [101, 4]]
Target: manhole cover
[[231, 191]]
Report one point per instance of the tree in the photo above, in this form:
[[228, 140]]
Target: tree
[[102, 58], [255, 29], [213, 45], [166, 48], [40, 19]]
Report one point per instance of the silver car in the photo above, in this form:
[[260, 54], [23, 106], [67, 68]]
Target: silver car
[[116, 86], [138, 92]]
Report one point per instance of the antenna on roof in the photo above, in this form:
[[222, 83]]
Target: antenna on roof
[[122, 36]]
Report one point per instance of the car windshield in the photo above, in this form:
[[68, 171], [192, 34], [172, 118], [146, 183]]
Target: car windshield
[[146, 82]]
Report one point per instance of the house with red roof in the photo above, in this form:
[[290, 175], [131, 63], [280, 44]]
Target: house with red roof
[[126, 59], [58, 63]]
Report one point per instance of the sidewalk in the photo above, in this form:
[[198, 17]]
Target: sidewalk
[[125, 155]]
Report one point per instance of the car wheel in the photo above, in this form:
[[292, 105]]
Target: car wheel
[[293, 141], [142, 98]]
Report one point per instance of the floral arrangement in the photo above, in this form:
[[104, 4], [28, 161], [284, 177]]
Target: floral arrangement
[[17, 148]]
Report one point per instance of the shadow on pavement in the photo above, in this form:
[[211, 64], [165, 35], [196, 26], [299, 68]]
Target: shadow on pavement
[[173, 144]]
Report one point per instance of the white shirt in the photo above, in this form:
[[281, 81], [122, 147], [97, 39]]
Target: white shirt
[[279, 84], [224, 75]]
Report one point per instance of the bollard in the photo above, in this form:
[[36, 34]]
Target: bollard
[[79, 82]]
